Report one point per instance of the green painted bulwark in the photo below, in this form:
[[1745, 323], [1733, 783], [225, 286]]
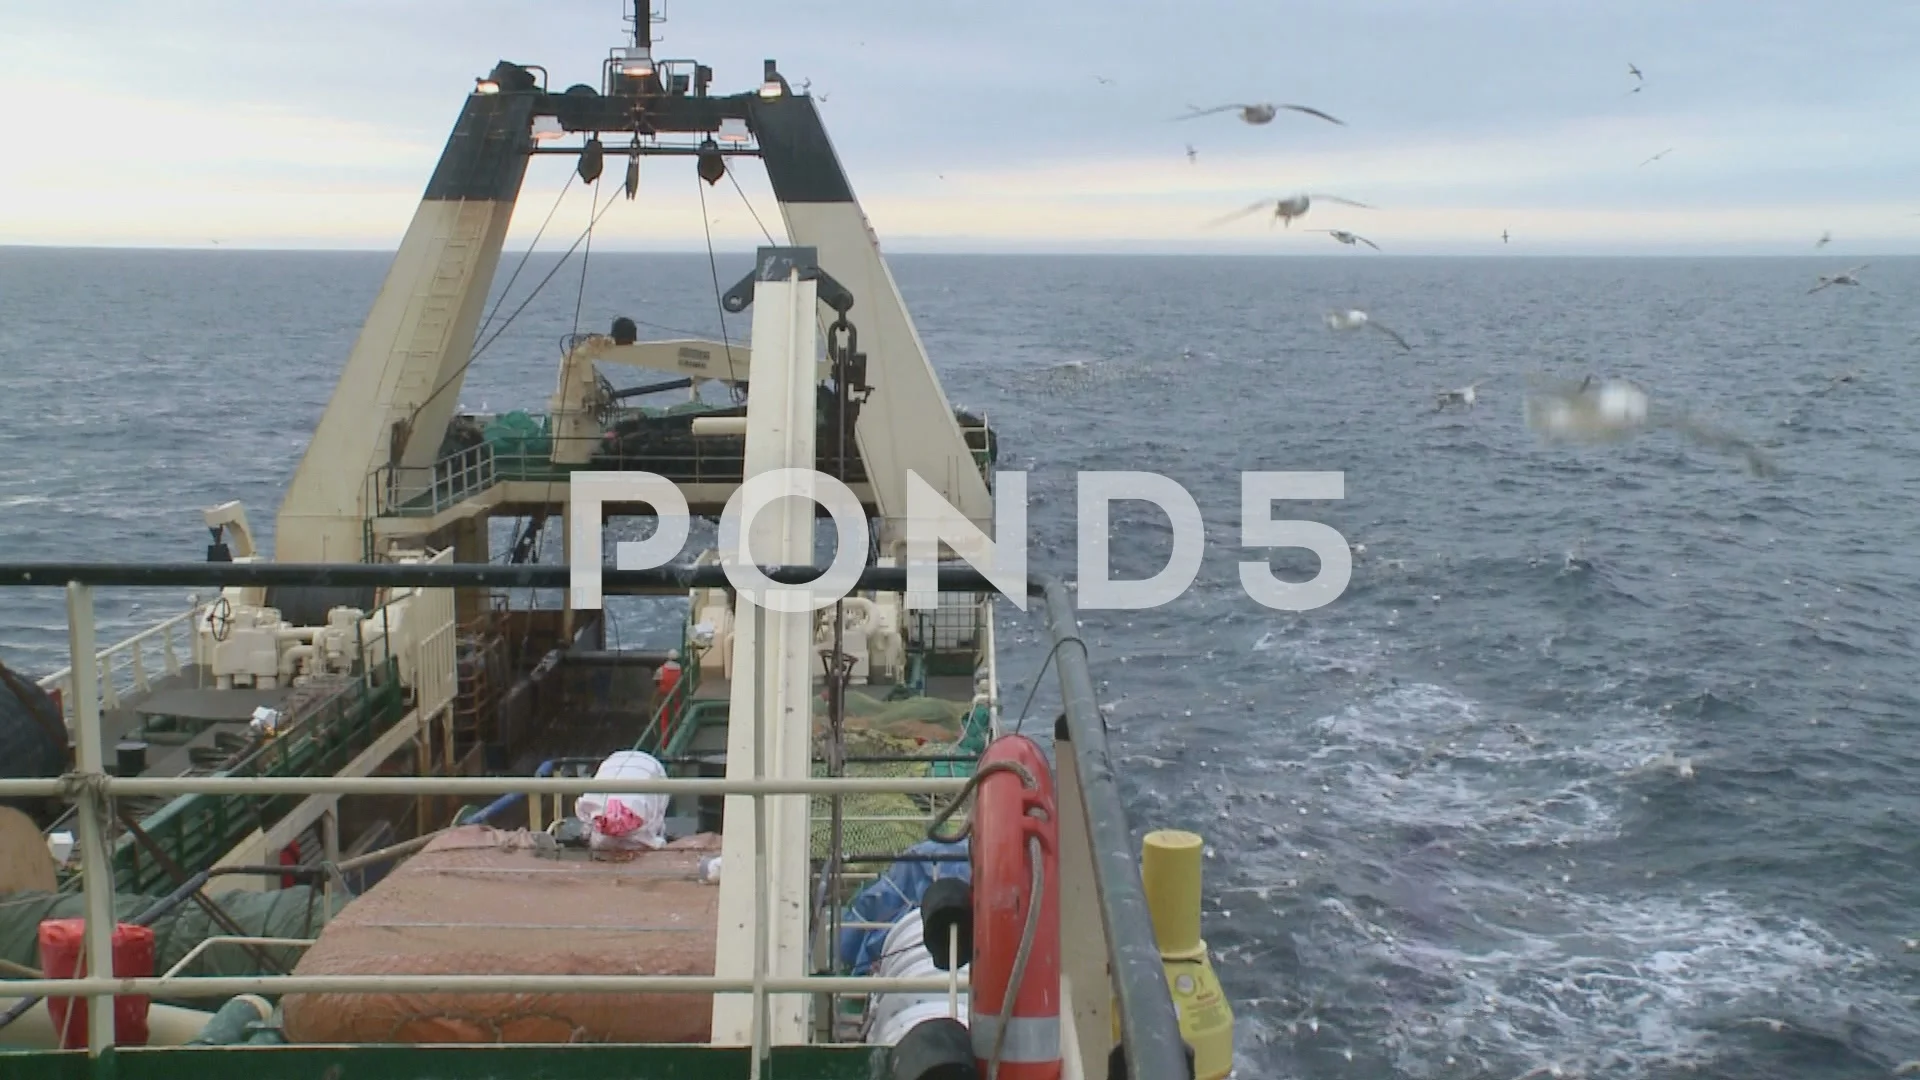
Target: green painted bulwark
[[446, 1063]]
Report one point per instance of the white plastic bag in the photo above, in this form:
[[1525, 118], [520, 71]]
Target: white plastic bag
[[625, 822]]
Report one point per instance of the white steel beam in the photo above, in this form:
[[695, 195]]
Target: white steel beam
[[770, 717]]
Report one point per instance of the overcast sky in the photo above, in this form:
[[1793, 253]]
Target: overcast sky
[[982, 126]]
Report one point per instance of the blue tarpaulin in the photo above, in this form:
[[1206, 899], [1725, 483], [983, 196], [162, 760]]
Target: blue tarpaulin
[[895, 893]]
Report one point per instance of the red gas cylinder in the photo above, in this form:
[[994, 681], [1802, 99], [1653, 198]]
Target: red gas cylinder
[[61, 943], [290, 856], [1007, 815]]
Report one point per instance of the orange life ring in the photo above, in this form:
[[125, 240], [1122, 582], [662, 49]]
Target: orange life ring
[[1013, 822]]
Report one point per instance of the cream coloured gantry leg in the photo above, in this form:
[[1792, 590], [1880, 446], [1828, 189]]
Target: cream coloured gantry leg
[[402, 381], [907, 423]]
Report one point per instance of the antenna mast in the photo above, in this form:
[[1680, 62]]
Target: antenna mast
[[643, 18]]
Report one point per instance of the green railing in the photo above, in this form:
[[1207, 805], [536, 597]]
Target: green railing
[[196, 830], [424, 491]]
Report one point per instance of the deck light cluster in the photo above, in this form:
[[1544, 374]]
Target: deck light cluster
[[636, 61], [505, 76], [774, 83]]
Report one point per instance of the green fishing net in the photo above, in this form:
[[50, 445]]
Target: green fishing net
[[914, 727]]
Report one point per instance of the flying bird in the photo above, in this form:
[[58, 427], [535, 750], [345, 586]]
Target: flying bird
[[1192, 154], [1635, 72], [1656, 157], [1611, 410], [1845, 277], [1465, 396], [1837, 381], [1258, 114], [1286, 209], [1349, 239], [1103, 80], [1503, 237], [1825, 239], [1354, 319]]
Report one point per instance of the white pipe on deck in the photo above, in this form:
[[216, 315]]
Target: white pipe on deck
[[716, 426]]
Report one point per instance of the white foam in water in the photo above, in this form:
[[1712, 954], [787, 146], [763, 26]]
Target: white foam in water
[[1632, 987], [1452, 969], [1422, 755], [1313, 651]]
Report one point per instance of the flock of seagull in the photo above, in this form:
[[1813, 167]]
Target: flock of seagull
[[1594, 410]]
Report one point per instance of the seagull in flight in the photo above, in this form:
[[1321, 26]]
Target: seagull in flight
[[1348, 238], [1354, 319], [1845, 277], [1258, 114], [1837, 381], [1504, 238], [1103, 80], [1635, 72], [1192, 154], [1825, 239], [1286, 209], [1611, 410], [1656, 157], [1464, 396]]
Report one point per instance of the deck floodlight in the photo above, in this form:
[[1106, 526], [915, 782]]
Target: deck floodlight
[[773, 85], [546, 128], [636, 61], [733, 132], [507, 76]]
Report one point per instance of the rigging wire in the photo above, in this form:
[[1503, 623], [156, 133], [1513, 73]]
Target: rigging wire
[[818, 319], [586, 254], [750, 209], [514, 315], [525, 255], [594, 210], [713, 267]]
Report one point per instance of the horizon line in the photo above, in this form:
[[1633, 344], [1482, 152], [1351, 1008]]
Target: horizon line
[[1022, 252]]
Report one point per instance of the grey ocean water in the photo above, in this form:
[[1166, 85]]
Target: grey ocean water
[[1447, 834]]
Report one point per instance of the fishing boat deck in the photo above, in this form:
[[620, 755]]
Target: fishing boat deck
[[943, 687]]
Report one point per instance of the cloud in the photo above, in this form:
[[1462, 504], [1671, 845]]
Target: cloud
[[318, 126]]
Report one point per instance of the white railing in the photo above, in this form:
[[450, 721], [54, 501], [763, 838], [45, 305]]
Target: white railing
[[124, 668], [990, 653], [93, 791]]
